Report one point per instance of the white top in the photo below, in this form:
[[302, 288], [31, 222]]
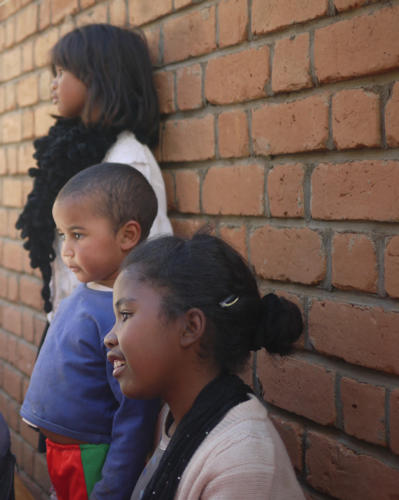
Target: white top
[[242, 458], [127, 150]]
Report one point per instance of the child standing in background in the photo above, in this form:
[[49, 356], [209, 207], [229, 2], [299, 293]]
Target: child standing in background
[[108, 111], [97, 439], [188, 313]]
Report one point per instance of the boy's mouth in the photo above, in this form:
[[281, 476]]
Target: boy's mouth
[[118, 367]]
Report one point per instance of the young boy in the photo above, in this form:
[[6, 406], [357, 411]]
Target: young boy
[[97, 439]]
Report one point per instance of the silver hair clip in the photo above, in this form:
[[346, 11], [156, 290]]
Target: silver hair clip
[[229, 301]]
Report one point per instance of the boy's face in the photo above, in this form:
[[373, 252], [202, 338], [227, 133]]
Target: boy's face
[[90, 247]]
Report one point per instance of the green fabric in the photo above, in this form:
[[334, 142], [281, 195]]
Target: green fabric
[[93, 457]]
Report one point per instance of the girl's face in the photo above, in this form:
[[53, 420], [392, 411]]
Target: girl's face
[[68, 93], [144, 344]]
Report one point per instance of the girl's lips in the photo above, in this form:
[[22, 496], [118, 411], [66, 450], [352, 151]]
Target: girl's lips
[[118, 363]]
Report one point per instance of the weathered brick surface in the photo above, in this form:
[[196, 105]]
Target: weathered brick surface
[[364, 190], [292, 435], [233, 134], [61, 8], [361, 335], [291, 64], [356, 119], [164, 84], [394, 420], [189, 87], [143, 12], [285, 190], [354, 262], [270, 15], [362, 45], [392, 118], [190, 34], [26, 21], [237, 77], [236, 237], [363, 408], [299, 387], [342, 5], [233, 22], [188, 140], [234, 190], [291, 127], [348, 474], [392, 267], [294, 255], [188, 191]]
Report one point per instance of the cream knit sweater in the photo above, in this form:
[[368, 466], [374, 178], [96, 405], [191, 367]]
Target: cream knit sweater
[[243, 458]]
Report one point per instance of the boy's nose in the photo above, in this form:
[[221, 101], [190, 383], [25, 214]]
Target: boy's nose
[[66, 250]]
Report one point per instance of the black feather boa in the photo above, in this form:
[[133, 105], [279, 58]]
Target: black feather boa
[[68, 148]]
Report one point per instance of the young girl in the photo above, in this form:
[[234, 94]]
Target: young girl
[[188, 313], [108, 111]]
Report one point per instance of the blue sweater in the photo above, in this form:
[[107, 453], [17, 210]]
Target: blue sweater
[[72, 392]]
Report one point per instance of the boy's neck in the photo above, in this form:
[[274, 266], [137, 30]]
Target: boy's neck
[[94, 285]]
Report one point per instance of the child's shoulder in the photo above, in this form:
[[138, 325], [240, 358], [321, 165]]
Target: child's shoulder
[[127, 149]]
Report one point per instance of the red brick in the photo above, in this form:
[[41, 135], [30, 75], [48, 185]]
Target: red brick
[[29, 435], [28, 331], [12, 127], [189, 139], [10, 99], [12, 63], [236, 237], [233, 22], [291, 64], [143, 12], [27, 458], [233, 134], [2, 99], [291, 127], [348, 474], [43, 119], [12, 320], [12, 192], [299, 387], [354, 262], [43, 44], [27, 56], [28, 124], [98, 14], [13, 383], [12, 162], [169, 181], [292, 435], [27, 91], [3, 221], [362, 45], [44, 14], [236, 189], [84, 4], [25, 158], [391, 259], [270, 15], [394, 420], [62, 8], [364, 190], [189, 87], [153, 39], [45, 79], [189, 35], [13, 417], [30, 289], [12, 255], [26, 21], [360, 335], [356, 119], [165, 87], [188, 191], [285, 190], [40, 472], [182, 3], [118, 13], [363, 408], [237, 77], [288, 254], [392, 117], [12, 288], [342, 5], [26, 356], [186, 227]]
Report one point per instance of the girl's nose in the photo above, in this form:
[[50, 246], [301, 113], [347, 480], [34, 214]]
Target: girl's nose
[[66, 250], [111, 340]]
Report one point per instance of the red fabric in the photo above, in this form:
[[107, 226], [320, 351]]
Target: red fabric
[[65, 467]]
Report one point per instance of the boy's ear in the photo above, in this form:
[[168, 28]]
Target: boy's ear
[[195, 323], [129, 235]]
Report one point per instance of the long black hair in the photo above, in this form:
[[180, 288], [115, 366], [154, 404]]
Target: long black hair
[[206, 273], [115, 65]]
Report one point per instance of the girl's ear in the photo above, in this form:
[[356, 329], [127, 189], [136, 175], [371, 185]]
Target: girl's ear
[[195, 323], [129, 235]]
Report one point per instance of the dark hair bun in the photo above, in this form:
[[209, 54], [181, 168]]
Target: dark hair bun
[[280, 325]]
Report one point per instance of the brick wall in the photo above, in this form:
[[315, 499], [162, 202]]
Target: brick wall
[[281, 129]]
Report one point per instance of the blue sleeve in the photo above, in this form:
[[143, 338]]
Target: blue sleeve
[[131, 441]]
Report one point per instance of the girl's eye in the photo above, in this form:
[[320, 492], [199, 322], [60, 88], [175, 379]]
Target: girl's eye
[[61, 236], [125, 315], [77, 236]]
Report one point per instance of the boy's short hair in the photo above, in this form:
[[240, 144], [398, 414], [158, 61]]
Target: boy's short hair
[[121, 193]]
